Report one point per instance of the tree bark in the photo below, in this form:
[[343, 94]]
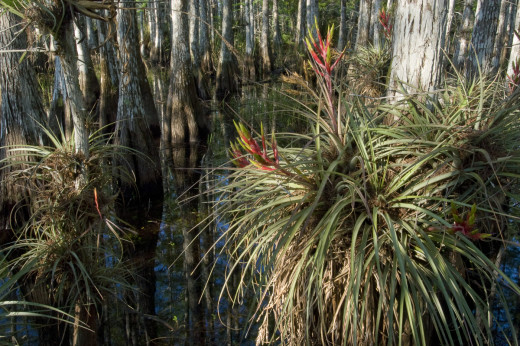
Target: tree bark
[[500, 36], [157, 54], [137, 128], [461, 47], [479, 61], [87, 77], [109, 79], [249, 61], [226, 71], [264, 40], [363, 28], [375, 33], [277, 37], [204, 38], [342, 40], [200, 82], [21, 109], [312, 16], [514, 57], [418, 42], [79, 113], [184, 121], [301, 20]]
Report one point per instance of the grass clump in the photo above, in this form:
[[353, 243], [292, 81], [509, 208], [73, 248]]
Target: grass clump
[[376, 233], [69, 248]]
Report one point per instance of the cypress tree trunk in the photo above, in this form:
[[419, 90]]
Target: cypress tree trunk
[[363, 27], [200, 82], [20, 108], [226, 71], [264, 40], [109, 79], [418, 42], [204, 36], [342, 39], [480, 54], [79, 112], [249, 61], [515, 48], [500, 37], [375, 27], [87, 77], [138, 128], [461, 47], [277, 37], [301, 19], [184, 121]]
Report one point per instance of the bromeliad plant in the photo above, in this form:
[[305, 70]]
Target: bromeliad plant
[[62, 247], [365, 254], [322, 65], [260, 157]]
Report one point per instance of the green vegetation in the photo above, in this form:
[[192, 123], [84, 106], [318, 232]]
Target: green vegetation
[[59, 257], [383, 225]]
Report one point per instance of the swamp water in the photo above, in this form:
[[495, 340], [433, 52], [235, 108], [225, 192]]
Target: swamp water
[[188, 254], [190, 237]]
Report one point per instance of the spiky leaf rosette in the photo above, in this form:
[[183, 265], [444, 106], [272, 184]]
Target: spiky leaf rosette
[[370, 252], [63, 246]]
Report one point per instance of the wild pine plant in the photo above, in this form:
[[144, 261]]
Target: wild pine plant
[[59, 257], [367, 233]]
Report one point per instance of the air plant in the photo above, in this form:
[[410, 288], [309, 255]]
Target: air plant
[[514, 77], [260, 156], [384, 20], [350, 259], [323, 67], [466, 226]]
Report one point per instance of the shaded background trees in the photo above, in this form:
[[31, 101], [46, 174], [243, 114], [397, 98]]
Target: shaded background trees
[[193, 50]]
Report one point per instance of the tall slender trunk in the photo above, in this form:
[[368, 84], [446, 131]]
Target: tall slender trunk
[[226, 72], [264, 41], [204, 38], [363, 27], [249, 61], [109, 79], [514, 57], [20, 110], [277, 36], [342, 40], [466, 27], [87, 76], [200, 80], [449, 23], [501, 35], [92, 38], [312, 16], [79, 112], [301, 20], [418, 65], [375, 33], [184, 121], [156, 19], [483, 39], [138, 128]]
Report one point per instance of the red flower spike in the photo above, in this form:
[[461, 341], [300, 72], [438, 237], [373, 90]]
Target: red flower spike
[[384, 20], [322, 65]]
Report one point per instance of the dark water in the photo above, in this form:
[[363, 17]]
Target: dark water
[[188, 207], [192, 175]]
